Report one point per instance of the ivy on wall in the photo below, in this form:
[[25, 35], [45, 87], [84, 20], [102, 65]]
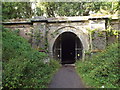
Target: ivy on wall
[[109, 32]]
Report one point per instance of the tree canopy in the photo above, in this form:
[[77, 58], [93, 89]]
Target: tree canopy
[[12, 10], [52, 9]]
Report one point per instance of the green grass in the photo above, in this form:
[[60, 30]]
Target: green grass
[[23, 66], [102, 69]]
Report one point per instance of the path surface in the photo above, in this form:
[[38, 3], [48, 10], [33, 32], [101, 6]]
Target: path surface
[[66, 77]]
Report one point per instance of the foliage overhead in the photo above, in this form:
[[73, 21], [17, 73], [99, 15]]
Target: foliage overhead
[[12, 10], [53, 9]]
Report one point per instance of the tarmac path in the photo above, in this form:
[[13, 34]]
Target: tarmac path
[[66, 77]]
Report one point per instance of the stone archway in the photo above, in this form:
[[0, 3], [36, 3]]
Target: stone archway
[[67, 48], [53, 35]]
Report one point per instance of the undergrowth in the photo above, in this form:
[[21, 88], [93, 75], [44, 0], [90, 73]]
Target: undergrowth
[[23, 67], [102, 70]]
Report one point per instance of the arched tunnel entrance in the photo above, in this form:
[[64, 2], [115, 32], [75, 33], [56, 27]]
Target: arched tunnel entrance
[[67, 48]]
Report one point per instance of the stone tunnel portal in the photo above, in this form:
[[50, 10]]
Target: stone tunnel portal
[[67, 48]]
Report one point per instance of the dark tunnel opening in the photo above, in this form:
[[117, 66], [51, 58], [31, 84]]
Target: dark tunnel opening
[[67, 48]]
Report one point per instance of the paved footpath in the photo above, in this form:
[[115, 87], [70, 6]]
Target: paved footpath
[[66, 77]]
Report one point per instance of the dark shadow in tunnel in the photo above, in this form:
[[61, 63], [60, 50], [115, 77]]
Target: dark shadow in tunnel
[[67, 48]]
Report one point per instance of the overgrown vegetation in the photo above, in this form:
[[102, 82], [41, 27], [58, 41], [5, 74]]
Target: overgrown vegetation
[[21, 10], [102, 70], [23, 67], [53, 9]]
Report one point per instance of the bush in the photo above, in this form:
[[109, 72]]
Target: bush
[[23, 66], [102, 69]]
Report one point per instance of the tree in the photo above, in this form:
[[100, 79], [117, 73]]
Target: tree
[[12, 10], [51, 9]]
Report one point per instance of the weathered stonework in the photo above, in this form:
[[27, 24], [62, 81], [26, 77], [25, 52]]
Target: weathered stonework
[[49, 29], [39, 32], [24, 29], [99, 42], [115, 24], [55, 31]]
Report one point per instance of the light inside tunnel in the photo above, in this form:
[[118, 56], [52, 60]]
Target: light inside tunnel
[[67, 48]]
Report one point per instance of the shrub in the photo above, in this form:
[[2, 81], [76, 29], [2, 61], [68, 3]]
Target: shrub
[[23, 66], [102, 69]]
